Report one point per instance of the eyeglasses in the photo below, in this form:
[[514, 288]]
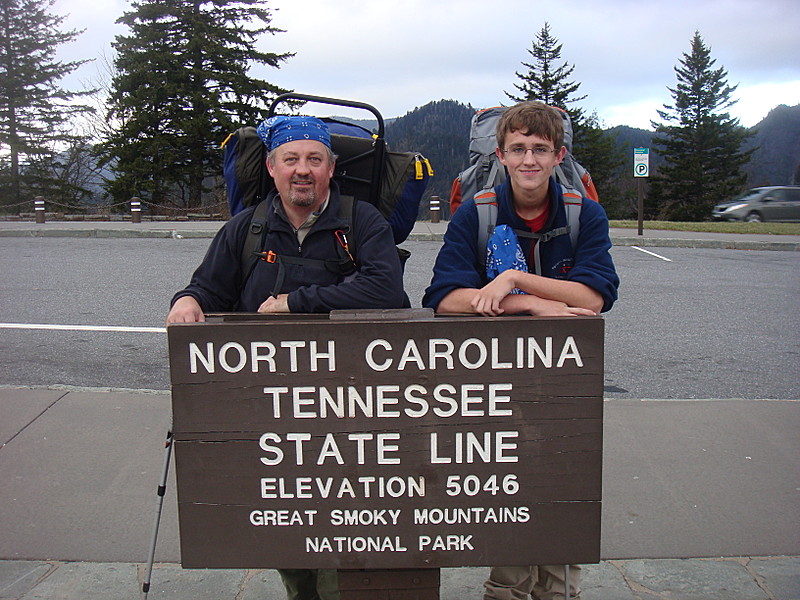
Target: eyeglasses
[[520, 151]]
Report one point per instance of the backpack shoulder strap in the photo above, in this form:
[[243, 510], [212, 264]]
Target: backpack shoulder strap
[[346, 210], [255, 233], [573, 202], [343, 264], [343, 247], [486, 204]]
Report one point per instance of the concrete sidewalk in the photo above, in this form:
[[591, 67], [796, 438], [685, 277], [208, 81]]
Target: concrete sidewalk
[[771, 578], [423, 231], [711, 479]]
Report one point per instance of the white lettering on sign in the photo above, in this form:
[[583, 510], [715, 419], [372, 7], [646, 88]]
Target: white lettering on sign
[[458, 543], [355, 544], [282, 518], [472, 485], [384, 440], [365, 517], [325, 487], [233, 357], [472, 353], [472, 514], [470, 447], [330, 450], [391, 401], [380, 355]]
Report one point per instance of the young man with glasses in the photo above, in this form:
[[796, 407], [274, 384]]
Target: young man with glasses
[[531, 228]]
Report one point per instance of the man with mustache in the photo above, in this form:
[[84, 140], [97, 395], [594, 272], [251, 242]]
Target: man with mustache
[[303, 222], [304, 231]]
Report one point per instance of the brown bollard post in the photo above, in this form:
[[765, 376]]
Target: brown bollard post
[[435, 209], [38, 208], [136, 210]]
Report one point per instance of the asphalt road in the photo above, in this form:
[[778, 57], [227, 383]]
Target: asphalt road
[[704, 324]]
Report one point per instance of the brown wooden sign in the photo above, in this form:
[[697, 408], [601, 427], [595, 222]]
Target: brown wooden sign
[[350, 444]]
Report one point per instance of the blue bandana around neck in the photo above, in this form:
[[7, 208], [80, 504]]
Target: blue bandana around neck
[[503, 251]]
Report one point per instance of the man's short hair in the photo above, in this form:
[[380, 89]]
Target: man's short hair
[[531, 118]]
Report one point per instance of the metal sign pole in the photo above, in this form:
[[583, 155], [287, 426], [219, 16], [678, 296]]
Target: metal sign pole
[[641, 169]]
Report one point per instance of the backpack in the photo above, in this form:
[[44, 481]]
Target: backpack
[[365, 171], [486, 171]]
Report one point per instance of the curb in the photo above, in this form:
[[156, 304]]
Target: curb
[[108, 233], [420, 236]]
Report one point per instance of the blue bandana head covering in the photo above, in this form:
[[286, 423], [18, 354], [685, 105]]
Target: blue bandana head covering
[[504, 252], [280, 129]]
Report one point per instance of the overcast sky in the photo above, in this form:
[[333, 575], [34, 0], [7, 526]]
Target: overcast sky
[[399, 55]]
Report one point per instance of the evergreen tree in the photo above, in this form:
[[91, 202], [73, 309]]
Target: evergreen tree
[[182, 83], [35, 112], [700, 143], [546, 80], [600, 154], [440, 132]]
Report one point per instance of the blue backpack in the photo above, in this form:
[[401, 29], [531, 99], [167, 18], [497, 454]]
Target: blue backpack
[[365, 171]]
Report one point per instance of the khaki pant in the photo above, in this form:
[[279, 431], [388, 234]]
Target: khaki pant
[[542, 582], [310, 584]]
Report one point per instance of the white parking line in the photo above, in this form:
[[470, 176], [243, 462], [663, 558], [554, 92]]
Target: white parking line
[[652, 253], [113, 328]]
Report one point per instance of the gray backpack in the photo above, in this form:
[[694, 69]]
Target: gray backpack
[[486, 171]]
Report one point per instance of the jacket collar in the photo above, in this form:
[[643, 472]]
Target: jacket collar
[[506, 206]]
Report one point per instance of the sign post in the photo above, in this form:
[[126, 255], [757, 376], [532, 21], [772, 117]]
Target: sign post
[[304, 442], [641, 169]]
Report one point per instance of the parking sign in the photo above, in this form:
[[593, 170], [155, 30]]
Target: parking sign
[[641, 162]]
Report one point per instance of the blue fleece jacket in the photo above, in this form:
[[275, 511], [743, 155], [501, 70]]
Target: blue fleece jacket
[[458, 264]]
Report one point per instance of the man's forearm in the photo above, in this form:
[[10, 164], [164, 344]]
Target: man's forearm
[[457, 301], [571, 293], [460, 301]]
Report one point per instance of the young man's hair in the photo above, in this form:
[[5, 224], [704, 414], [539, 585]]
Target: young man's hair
[[531, 118]]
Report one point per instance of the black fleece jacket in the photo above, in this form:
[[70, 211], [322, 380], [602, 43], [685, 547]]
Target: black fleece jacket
[[377, 282]]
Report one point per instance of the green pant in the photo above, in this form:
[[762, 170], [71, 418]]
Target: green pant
[[310, 584]]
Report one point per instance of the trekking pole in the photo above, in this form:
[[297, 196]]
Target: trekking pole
[[162, 489]]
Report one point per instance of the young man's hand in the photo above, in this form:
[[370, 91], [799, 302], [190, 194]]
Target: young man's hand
[[516, 304], [543, 297], [487, 300]]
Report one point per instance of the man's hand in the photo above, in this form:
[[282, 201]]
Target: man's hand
[[186, 310], [559, 309], [275, 304], [515, 304]]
